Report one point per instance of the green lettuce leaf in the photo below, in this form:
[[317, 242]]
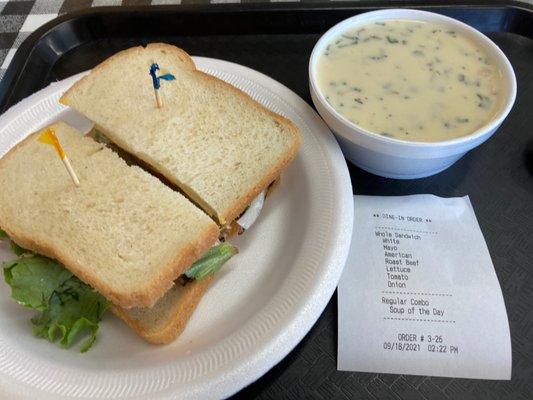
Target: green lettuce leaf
[[2, 234], [74, 308], [67, 307], [211, 262], [34, 279], [15, 248]]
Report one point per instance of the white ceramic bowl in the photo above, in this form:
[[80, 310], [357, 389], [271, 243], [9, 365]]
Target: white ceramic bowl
[[394, 158]]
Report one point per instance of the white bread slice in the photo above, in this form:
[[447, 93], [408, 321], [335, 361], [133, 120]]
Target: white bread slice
[[121, 231], [165, 321], [210, 139]]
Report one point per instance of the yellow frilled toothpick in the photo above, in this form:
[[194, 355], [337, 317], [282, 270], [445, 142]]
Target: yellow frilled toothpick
[[48, 136]]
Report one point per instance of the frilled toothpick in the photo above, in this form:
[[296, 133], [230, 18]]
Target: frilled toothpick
[[156, 81], [48, 136]]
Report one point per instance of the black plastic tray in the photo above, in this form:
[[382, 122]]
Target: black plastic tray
[[277, 39]]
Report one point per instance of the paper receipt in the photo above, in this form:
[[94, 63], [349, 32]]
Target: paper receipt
[[419, 294]]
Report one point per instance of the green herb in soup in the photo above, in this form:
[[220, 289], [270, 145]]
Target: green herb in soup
[[410, 80]]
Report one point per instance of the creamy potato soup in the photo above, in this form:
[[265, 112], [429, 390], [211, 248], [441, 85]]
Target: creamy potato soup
[[410, 80]]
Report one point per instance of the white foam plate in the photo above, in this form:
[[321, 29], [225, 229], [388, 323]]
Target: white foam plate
[[260, 306]]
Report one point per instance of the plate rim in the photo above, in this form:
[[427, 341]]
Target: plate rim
[[270, 349]]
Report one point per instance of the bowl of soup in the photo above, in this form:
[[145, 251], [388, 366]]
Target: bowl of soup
[[407, 93]]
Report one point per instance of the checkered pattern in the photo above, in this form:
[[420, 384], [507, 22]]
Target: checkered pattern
[[18, 19]]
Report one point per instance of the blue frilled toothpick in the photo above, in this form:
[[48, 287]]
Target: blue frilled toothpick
[[156, 81]]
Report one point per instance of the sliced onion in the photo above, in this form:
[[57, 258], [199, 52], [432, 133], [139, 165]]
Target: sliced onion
[[247, 219]]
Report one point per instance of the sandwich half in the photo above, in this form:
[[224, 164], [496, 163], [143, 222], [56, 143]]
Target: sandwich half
[[135, 241], [211, 141]]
